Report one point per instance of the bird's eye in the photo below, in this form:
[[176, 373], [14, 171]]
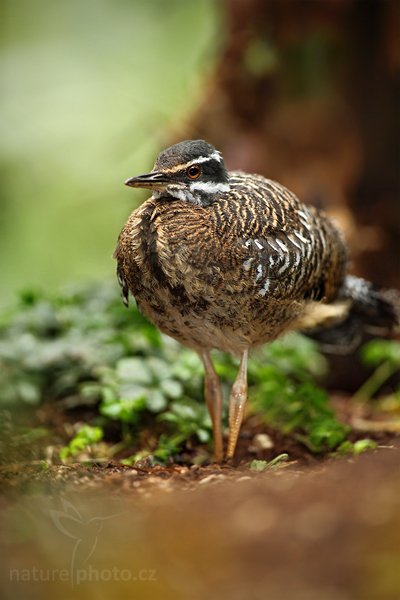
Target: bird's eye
[[193, 172]]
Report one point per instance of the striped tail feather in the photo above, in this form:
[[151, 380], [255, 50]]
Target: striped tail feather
[[369, 311]]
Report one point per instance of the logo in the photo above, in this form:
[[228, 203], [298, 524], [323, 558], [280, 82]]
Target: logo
[[84, 532]]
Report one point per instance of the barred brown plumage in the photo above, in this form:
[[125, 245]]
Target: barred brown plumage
[[228, 261]]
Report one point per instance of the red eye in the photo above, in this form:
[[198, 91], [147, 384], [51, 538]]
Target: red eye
[[193, 172]]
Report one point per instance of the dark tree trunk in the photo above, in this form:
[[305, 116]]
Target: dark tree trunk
[[308, 92]]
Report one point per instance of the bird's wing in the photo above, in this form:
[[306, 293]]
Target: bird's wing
[[122, 282], [286, 247]]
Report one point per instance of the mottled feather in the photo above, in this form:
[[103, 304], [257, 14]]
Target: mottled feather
[[233, 274]]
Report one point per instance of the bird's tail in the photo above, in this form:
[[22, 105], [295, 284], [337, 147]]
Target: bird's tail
[[369, 311]]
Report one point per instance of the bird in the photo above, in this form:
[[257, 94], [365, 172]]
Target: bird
[[229, 260]]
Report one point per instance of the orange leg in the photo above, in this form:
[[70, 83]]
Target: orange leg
[[213, 398], [237, 404]]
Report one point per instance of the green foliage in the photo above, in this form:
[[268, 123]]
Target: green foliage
[[85, 437], [282, 379], [287, 395], [384, 355], [82, 347], [49, 345], [261, 465], [356, 448], [379, 351], [188, 418], [258, 465], [294, 356], [142, 383]]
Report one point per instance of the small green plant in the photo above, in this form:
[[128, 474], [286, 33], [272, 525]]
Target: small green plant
[[384, 355], [138, 384], [83, 348], [261, 465], [49, 345], [186, 418], [356, 448], [84, 438], [288, 397]]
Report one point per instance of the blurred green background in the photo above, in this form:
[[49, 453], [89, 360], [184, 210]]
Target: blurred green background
[[90, 91]]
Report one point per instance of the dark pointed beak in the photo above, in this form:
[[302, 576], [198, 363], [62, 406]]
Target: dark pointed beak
[[150, 181]]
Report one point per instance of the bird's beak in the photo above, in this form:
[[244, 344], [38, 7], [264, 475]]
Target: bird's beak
[[153, 180]]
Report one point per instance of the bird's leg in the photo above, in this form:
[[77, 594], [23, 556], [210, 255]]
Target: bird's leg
[[213, 397], [237, 403]]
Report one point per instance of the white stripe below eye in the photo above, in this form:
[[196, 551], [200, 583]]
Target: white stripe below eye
[[209, 186]]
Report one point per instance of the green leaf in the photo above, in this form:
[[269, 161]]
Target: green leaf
[[85, 437], [155, 401], [363, 445], [258, 465], [261, 465], [171, 388], [357, 447], [28, 392], [135, 370], [378, 351]]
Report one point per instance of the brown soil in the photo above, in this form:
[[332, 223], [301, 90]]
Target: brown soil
[[310, 529]]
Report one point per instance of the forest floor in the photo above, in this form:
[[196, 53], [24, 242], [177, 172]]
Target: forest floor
[[308, 528]]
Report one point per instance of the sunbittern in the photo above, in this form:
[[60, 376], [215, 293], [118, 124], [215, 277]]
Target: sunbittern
[[228, 260]]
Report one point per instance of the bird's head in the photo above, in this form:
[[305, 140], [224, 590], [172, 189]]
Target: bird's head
[[192, 171]]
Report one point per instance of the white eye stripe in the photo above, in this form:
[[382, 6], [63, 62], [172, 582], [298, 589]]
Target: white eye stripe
[[201, 159], [214, 156]]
